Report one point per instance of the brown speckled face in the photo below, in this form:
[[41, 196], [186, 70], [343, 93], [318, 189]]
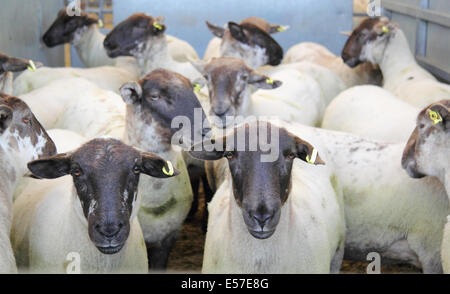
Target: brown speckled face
[[228, 79], [128, 35], [64, 28], [368, 31], [259, 188], [106, 174], [17, 119], [426, 152]]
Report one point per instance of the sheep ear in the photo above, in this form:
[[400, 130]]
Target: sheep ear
[[157, 167], [216, 30], [307, 152], [277, 28], [16, 64], [409, 156], [237, 32], [439, 116], [131, 92], [263, 82], [198, 84], [199, 65], [6, 115], [207, 150], [158, 25], [51, 167]]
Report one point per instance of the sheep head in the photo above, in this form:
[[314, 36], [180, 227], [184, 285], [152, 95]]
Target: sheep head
[[261, 182], [368, 41], [105, 174], [428, 148], [228, 81], [250, 40]]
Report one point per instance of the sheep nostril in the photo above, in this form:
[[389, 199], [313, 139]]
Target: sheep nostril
[[262, 219]]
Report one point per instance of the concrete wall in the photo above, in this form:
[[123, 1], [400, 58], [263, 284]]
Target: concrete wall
[[22, 23]]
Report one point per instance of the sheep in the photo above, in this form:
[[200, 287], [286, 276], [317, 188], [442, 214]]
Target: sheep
[[83, 33], [22, 139], [229, 42], [8, 65], [386, 211], [426, 155], [365, 73], [78, 105], [371, 112], [382, 42], [91, 215], [251, 42], [156, 106], [143, 37], [105, 77], [297, 98], [274, 215]]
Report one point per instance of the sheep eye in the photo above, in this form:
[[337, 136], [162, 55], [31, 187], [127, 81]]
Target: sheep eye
[[136, 170], [76, 172], [26, 121], [229, 155], [154, 97], [291, 156]]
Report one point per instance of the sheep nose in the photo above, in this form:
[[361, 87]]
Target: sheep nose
[[109, 230], [107, 43], [262, 219]]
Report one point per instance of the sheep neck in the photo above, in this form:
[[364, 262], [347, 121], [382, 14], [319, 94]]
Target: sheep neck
[[155, 54], [397, 59], [11, 172], [86, 40], [143, 131]]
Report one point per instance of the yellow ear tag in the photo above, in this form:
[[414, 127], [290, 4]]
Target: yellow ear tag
[[100, 23], [269, 81], [170, 172], [157, 25], [435, 117], [282, 28], [313, 157], [385, 29], [31, 66], [197, 87]]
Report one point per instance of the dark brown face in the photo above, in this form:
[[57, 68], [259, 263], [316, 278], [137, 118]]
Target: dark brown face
[[249, 41], [367, 32], [260, 187], [228, 79], [129, 35], [22, 130], [12, 64], [426, 153], [105, 174], [65, 27], [167, 97]]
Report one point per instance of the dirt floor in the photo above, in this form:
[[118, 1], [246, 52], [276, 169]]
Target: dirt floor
[[187, 255]]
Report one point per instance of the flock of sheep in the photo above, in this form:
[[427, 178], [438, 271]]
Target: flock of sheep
[[95, 170]]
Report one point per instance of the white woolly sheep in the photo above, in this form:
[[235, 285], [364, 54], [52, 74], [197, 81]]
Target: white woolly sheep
[[382, 42], [83, 33], [279, 216], [89, 219], [22, 139], [371, 112]]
